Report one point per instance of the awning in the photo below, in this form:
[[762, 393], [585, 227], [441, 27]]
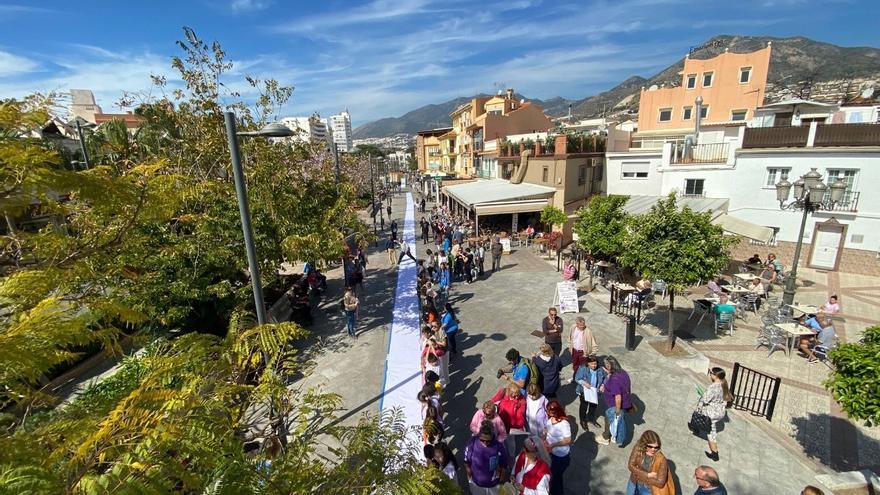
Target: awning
[[741, 227], [637, 205], [496, 190], [511, 207]]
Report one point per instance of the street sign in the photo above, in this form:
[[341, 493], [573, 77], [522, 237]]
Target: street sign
[[566, 298]]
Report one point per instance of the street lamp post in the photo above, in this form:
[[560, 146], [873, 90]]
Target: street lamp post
[[808, 196], [373, 200], [271, 130]]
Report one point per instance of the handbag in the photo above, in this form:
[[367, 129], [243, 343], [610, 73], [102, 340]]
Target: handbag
[[699, 422]]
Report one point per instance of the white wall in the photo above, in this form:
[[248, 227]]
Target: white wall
[[616, 183]]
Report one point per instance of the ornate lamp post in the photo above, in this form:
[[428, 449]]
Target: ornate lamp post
[[808, 196]]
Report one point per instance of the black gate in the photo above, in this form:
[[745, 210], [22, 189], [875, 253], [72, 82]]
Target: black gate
[[754, 391], [622, 305]]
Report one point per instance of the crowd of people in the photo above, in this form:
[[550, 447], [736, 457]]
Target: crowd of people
[[519, 440]]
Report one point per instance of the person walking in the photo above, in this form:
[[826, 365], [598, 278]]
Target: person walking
[[388, 209], [391, 247], [531, 475], [713, 404], [708, 482], [449, 324], [404, 251], [589, 377], [551, 327], [393, 227], [549, 366], [648, 468], [581, 343], [350, 303], [424, 225], [485, 461], [497, 252], [557, 440], [616, 392]]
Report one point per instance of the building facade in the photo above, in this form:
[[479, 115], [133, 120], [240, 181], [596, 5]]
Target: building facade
[[339, 128], [428, 152], [306, 129]]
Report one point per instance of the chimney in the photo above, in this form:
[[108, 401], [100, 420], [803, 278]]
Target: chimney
[[509, 93]]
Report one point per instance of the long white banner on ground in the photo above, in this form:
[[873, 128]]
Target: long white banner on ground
[[402, 362]]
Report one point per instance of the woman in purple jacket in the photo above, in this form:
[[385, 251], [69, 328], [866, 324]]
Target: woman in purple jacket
[[617, 394]]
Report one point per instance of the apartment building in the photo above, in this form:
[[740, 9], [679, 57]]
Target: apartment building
[[306, 129], [428, 154], [339, 129]]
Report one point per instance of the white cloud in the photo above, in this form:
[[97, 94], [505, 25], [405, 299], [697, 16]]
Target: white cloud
[[249, 5], [12, 65], [375, 11]]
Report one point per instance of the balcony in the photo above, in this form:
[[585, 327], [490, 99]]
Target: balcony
[[814, 135], [699, 153], [849, 202], [847, 135], [776, 137]]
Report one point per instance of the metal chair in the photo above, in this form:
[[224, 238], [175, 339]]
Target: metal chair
[[659, 286], [749, 301], [821, 351], [773, 338], [724, 320], [703, 306]]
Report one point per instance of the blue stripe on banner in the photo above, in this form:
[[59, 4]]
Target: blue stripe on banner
[[402, 380]]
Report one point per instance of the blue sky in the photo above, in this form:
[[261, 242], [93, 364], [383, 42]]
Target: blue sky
[[385, 57]]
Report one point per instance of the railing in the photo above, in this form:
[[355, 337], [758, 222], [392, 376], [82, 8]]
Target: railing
[[849, 202], [754, 391], [847, 135], [620, 306], [775, 137], [700, 153]]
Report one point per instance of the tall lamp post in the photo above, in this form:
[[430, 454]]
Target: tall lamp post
[[271, 130], [808, 196], [373, 200]]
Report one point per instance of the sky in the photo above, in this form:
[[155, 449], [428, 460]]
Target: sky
[[381, 58]]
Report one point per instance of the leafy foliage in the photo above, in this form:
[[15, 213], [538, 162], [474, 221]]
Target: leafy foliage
[[149, 239], [601, 226], [855, 379], [552, 216], [677, 245]]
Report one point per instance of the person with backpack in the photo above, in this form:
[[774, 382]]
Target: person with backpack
[[518, 370]]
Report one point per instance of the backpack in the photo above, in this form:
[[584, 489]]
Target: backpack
[[533, 370]]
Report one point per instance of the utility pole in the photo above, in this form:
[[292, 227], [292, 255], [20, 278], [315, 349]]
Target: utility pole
[[373, 199], [336, 159]]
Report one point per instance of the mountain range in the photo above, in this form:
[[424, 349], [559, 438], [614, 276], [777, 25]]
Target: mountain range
[[797, 65]]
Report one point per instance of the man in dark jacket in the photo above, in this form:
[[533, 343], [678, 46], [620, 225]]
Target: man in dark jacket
[[497, 251], [552, 327]]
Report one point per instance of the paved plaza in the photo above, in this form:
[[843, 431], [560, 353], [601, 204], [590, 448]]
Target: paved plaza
[[501, 311]]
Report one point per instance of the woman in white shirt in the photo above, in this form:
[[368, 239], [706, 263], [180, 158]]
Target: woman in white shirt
[[531, 475], [445, 461], [557, 440]]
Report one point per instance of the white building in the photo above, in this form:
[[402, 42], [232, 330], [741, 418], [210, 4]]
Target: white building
[[307, 128], [340, 129], [742, 163]]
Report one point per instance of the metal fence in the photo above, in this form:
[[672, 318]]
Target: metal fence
[[754, 391], [775, 137], [621, 307]]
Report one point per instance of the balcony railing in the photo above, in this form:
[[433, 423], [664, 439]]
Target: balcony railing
[[849, 202], [775, 137], [700, 153], [847, 135]]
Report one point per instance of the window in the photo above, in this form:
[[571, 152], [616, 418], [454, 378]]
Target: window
[[665, 114], [582, 175], [704, 111], [635, 170], [848, 177], [598, 170], [707, 79], [545, 175], [736, 115], [494, 112], [693, 187], [776, 175], [687, 113], [691, 81], [745, 75]]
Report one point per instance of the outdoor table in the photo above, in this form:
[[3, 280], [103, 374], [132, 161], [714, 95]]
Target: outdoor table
[[625, 287], [735, 289], [756, 267], [713, 300], [807, 309], [743, 277], [793, 331], [604, 264]]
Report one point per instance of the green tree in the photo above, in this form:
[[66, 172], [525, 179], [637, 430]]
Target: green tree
[[553, 216], [855, 378], [601, 226], [677, 245]]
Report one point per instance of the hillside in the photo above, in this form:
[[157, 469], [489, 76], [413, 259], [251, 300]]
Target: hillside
[[799, 66]]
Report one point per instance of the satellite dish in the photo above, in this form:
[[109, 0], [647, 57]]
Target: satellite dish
[[653, 87], [868, 93]]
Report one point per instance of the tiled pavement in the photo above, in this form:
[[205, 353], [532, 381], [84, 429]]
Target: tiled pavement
[[805, 411]]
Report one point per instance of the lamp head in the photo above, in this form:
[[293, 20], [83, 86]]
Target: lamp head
[[838, 188], [817, 193], [811, 178], [799, 187], [270, 130], [783, 187]]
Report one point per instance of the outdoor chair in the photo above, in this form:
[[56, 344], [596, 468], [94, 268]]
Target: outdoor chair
[[701, 305], [822, 351], [749, 301], [772, 338], [724, 320], [659, 287]]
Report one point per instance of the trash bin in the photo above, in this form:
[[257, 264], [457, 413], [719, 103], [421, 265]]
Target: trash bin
[[630, 333]]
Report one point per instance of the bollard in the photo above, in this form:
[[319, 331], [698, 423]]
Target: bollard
[[630, 333]]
